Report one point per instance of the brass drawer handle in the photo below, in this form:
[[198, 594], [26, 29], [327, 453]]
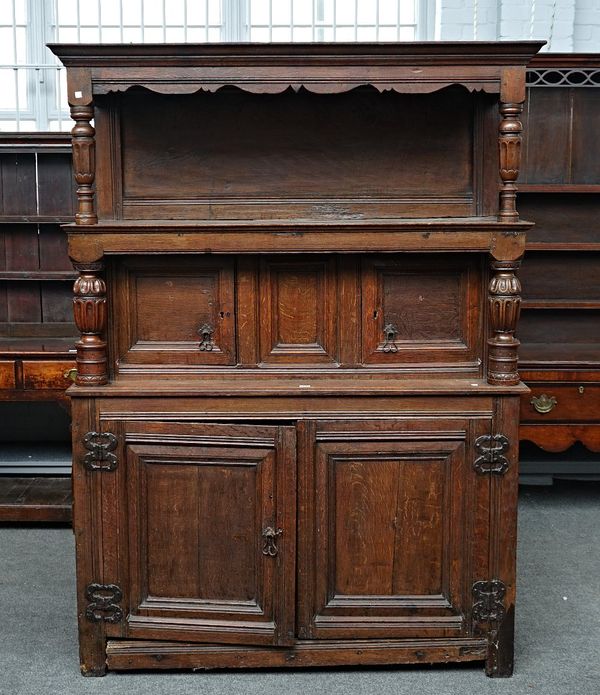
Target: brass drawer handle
[[543, 403], [71, 374]]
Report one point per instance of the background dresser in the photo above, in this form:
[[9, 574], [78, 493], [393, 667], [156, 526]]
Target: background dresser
[[37, 333], [560, 191], [295, 421]]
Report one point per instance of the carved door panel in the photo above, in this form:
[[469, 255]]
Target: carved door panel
[[176, 311], [299, 313], [388, 512], [207, 528], [416, 311]]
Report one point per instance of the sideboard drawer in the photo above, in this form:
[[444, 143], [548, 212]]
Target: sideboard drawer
[[46, 374], [7, 374], [175, 311], [559, 402]]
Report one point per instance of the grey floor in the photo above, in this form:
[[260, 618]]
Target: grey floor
[[558, 624]]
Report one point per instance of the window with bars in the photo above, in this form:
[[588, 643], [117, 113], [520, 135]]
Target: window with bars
[[33, 84]]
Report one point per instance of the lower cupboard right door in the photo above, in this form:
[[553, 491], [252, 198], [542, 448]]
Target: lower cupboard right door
[[393, 527]]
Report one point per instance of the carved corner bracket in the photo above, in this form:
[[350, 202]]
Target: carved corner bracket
[[84, 162], [504, 307], [89, 310], [103, 603]]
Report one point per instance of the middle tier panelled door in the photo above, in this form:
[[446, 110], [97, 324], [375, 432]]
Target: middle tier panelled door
[[203, 526]]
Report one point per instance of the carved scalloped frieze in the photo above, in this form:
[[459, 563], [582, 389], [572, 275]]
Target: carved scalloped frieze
[[319, 86]]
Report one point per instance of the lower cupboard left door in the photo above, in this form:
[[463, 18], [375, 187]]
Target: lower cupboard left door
[[198, 531]]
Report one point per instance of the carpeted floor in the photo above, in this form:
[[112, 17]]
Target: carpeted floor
[[558, 623]]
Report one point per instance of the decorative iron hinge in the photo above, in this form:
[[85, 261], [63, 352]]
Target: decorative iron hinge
[[488, 601], [270, 546], [100, 446], [103, 600], [491, 457]]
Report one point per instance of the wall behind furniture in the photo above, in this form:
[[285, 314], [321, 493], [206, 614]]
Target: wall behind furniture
[[567, 25]]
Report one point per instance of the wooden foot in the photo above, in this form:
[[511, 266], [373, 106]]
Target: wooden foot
[[500, 659], [93, 671]]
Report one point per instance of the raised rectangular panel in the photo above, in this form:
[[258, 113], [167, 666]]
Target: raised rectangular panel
[[418, 313], [200, 499], [298, 317], [176, 312], [387, 520]]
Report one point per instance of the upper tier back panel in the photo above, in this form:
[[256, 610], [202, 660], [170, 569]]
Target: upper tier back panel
[[237, 155]]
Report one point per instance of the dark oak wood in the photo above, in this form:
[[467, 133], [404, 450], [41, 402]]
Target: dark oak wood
[[298, 354], [560, 353], [125, 655], [35, 499]]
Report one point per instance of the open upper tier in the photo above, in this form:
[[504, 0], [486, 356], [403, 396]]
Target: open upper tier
[[297, 131]]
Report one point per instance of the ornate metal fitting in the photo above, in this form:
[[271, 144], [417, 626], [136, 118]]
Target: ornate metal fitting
[[270, 546], [491, 457], [71, 374], [103, 603], [543, 403], [206, 333], [99, 456], [390, 332], [488, 601]]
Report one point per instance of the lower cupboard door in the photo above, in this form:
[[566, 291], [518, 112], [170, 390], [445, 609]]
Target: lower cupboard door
[[209, 553], [393, 527]]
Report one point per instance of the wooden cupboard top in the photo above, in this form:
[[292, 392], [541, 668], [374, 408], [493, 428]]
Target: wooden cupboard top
[[505, 241], [272, 68], [303, 386]]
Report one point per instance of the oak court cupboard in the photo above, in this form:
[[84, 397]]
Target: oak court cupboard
[[295, 420]]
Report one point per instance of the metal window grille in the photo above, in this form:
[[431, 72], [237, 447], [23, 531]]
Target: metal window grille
[[33, 84]]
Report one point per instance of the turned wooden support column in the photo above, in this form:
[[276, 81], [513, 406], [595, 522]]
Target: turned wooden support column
[[89, 308], [504, 306], [509, 142], [84, 162]]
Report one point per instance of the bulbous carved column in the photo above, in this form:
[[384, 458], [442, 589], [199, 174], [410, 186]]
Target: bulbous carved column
[[509, 142], [84, 163], [89, 308], [504, 306]]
